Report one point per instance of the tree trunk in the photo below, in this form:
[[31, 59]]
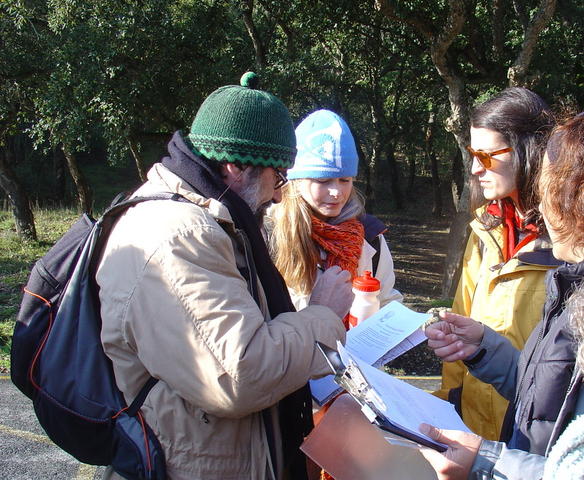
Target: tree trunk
[[23, 216], [459, 125], [60, 179], [366, 176], [383, 163], [258, 46], [138, 159], [517, 73], [458, 180], [459, 231], [431, 154], [374, 167], [394, 177], [412, 173], [84, 194], [458, 122]]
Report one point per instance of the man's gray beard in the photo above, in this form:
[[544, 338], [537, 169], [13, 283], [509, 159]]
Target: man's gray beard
[[251, 195]]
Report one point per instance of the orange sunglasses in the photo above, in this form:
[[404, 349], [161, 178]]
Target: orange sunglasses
[[486, 158]]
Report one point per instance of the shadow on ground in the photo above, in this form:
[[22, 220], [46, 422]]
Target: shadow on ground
[[418, 247]]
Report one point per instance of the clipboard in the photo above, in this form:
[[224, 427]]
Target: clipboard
[[385, 335], [351, 378]]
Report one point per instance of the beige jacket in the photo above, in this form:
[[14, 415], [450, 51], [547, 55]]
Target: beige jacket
[[175, 306]]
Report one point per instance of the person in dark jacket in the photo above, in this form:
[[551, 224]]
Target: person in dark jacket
[[540, 382], [566, 458]]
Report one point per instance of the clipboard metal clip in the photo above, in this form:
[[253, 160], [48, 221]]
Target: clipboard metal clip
[[353, 380]]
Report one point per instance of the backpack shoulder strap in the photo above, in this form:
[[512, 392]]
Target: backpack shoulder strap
[[373, 229], [122, 203], [376, 244], [118, 206]]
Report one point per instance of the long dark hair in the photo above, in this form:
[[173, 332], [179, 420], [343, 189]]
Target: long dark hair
[[524, 120]]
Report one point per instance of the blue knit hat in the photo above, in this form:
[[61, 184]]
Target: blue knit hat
[[326, 148]]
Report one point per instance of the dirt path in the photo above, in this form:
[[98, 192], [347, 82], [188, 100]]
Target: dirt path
[[419, 250], [418, 247]]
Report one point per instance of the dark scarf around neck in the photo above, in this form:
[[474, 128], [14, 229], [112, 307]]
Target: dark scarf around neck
[[295, 409]]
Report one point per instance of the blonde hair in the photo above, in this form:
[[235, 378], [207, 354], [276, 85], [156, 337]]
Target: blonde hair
[[293, 250]]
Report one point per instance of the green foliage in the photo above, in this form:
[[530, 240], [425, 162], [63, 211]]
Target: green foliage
[[106, 73], [97, 76]]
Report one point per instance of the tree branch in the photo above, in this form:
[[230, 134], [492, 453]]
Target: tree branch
[[498, 35], [246, 7], [416, 22], [517, 72]]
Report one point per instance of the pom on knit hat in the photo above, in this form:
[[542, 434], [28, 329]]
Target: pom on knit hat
[[246, 125], [326, 148]]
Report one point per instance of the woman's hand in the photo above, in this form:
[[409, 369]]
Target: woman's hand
[[454, 337], [456, 462]]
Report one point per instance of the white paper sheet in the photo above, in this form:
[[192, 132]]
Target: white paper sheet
[[384, 336], [403, 404], [374, 338]]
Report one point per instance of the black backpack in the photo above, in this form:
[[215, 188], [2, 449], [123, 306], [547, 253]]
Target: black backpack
[[58, 361]]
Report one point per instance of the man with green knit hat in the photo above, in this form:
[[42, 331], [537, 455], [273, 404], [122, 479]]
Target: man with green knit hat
[[190, 296]]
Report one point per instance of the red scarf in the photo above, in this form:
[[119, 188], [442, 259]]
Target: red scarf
[[512, 226], [342, 243]]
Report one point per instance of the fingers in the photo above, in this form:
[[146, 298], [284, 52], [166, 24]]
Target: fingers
[[449, 352], [455, 319], [446, 345], [469, 331], [436, 459], [457, 460], [451, 438], [454, 351], [337, 272], [440, 462], [434, 433], [438, 330]]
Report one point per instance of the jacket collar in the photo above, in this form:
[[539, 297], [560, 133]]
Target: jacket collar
[[162, 178]]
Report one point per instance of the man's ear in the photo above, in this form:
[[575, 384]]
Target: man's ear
[[230, 172]]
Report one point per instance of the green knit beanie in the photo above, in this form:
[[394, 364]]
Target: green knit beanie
[[246, 125]]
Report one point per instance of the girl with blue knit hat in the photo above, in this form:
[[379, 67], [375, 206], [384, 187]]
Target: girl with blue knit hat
[[320, 221]]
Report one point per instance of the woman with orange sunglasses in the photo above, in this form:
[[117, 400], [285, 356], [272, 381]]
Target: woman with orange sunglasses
[[508, 253]]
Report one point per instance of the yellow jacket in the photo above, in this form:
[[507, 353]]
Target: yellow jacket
[[508, 297]]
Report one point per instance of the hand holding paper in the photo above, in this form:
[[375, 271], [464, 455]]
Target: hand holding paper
[[390, 447], [404, 406]]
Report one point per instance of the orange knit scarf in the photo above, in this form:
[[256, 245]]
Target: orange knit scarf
[[342, 243]]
